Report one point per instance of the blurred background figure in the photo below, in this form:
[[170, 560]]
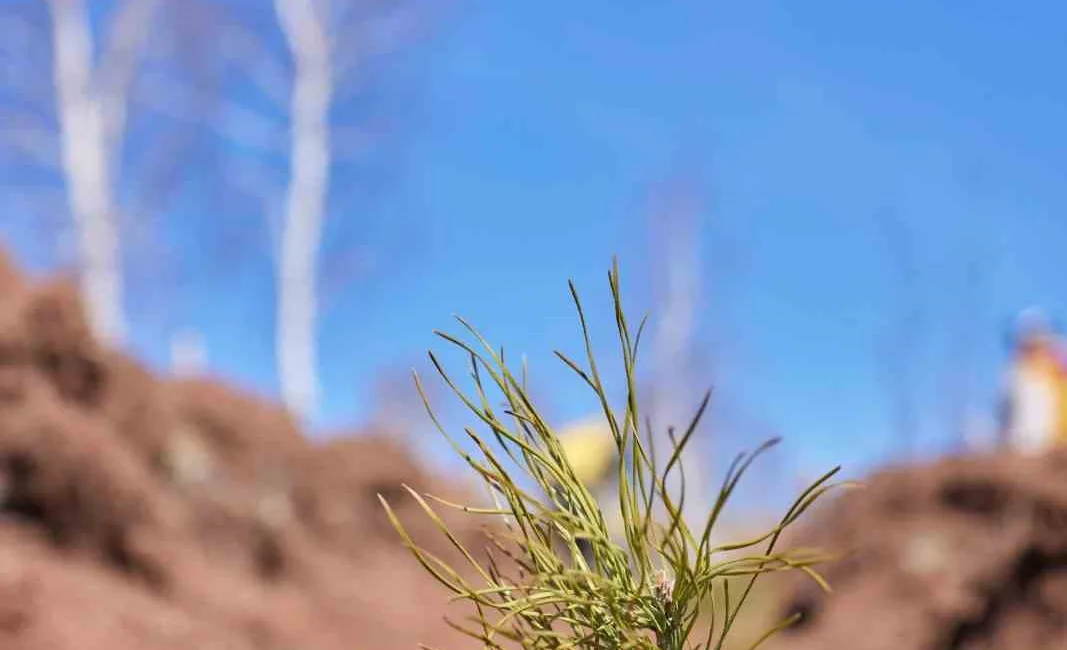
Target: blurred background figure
[[1034, 415], [590, 449]]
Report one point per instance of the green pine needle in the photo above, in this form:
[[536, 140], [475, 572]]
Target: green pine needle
[[664, 586]]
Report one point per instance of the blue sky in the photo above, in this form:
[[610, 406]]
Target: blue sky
[[541, 127]]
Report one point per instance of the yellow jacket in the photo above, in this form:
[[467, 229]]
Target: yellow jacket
[[590, 449], [1038, 401]]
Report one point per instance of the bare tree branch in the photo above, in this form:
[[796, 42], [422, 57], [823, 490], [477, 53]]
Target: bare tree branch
[[238, 125], [18, 49], [129, 30], [245, 50], [902, 340], [40, 145]]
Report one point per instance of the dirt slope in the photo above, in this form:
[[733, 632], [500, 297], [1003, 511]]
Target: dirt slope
[[142, 513], [962, 554]]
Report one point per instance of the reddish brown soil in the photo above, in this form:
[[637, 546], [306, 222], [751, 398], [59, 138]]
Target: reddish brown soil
[[141, 513], [962, 554]]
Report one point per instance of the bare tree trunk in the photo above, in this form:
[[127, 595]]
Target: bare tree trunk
[[295, 344], [86, 166], [92, 108], [674, 398]]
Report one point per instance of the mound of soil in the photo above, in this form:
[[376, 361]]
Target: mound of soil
[[138, 512], [961, 554]]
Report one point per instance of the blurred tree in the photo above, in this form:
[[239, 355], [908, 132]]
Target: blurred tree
[[287, 88], [306, 34], [964, 310], [676, 382], [302, 78], [971, 428], [899, 354], [92, 98], [70, 75]]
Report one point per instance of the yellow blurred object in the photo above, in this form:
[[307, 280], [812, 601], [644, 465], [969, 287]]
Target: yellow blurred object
[[1060, 436], [1038, 397], [1037, 390], [590, 449]]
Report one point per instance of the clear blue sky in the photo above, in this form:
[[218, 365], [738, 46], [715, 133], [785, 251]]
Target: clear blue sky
[[541, 127]]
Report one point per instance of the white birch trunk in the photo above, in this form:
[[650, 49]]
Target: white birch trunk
[[87, 169], [91, 104], [305, 205]]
